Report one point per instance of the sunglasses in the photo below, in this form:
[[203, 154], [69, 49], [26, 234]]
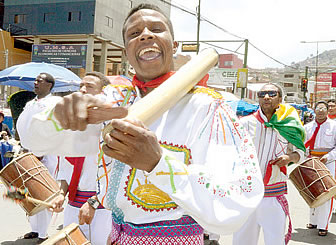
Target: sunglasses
[[321, 109], [271, 93]]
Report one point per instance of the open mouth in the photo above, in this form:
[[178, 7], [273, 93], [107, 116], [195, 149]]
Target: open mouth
[[149, 54]]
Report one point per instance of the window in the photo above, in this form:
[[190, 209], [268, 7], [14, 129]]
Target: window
[[20, 18], [130, 3], [109, 21], [288, 85], [290, 94], [48, 17], [74, 16], [228, 63], [289, 75]]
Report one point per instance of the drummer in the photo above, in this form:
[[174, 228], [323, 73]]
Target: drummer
[[195, 168], [321, 142], [273, 140], [43, 85]]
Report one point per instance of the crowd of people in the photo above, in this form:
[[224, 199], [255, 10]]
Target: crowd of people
[[196, 171]]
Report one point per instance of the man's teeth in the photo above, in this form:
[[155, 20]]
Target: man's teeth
[[142, 52]]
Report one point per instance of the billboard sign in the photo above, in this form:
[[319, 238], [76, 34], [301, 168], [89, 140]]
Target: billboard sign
[[324, 77], [228, 77], [68, 56]]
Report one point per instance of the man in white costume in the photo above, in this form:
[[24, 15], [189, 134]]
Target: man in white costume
[[43, 84], [78, 178], [194, 168], [321, 142], [270, 127]]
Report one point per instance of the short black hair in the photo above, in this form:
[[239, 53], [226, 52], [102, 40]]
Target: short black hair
[[104, 81], [277, 86], [321, 102], [48, 78], [147, 6], [331, 101]]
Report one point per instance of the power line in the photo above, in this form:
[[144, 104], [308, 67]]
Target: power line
[[295, 68], [182, 8], [216, 46]]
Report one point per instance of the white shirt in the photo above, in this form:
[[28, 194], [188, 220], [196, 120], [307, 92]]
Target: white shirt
[[325, 138], [208, 170]]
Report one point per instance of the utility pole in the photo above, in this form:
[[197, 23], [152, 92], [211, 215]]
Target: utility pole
[[304, 92], [6, 65], [198, 23], [245, 66]]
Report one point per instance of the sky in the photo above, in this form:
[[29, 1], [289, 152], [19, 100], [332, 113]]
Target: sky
[[276, 27]]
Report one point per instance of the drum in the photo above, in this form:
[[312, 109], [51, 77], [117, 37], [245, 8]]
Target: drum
[[26, 171], [70, 235], [314, 182]]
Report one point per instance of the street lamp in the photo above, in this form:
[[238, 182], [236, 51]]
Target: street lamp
[[316, 63]]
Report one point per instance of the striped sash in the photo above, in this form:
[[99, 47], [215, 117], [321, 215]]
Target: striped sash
[[81, 198], [277, 189]]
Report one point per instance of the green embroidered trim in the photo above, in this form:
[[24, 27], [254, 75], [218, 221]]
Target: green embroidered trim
[[50, 118], [171, 171]]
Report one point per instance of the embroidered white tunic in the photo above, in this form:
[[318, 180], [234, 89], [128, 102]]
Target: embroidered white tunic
[[269, 146], [208, 170]]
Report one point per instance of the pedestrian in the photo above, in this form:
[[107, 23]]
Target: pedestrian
[[321, 142], [194, 168], [42, 87], [77, 178], [5, 133], [278, 136]]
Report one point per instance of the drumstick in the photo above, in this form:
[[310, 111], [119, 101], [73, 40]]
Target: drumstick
[[19, 195], [161, 99]]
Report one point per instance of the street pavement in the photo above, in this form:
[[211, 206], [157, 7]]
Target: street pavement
[[14, 224]]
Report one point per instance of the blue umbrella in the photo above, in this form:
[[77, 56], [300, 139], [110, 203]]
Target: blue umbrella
[[23, 76]]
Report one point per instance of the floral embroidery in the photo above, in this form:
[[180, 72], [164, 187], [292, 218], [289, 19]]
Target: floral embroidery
[[216, 190], [246, 184]]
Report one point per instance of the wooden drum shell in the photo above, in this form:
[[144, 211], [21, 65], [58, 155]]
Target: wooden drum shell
[[69, 235], [26, 171], [314, 182]]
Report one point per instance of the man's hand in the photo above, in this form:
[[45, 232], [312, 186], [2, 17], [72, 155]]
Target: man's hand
[[324, 159], [86, 214], [57, 204], [132, 143], [285, 159], [72, 111]]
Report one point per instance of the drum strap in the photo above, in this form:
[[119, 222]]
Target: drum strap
[[77, 162], [284, 204]]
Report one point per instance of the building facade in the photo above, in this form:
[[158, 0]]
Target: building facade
[[230, 61], [97, 23]]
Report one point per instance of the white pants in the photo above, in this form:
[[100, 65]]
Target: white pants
[[98, 231], [40, 222], [270, 216], [321, 215]]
